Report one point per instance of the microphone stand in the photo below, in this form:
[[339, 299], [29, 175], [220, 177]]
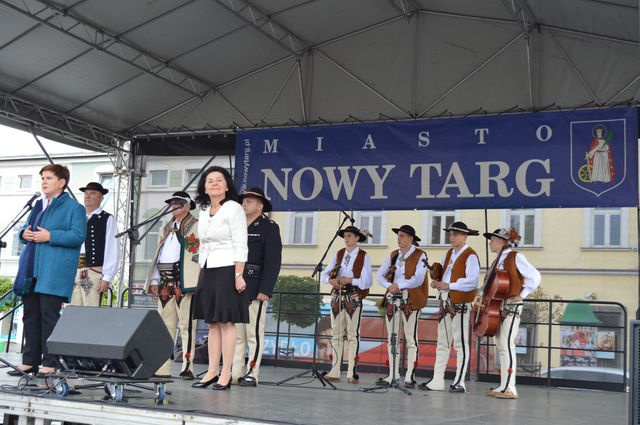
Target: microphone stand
[[133, 230], [395, 383], [313, 370]]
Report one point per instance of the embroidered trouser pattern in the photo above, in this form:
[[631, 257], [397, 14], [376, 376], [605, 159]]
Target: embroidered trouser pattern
[[452, 330]]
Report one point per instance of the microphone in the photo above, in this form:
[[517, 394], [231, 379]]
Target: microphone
[[350, 217], [33, 198]]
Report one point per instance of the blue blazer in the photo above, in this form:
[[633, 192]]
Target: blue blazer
[[56, 261]]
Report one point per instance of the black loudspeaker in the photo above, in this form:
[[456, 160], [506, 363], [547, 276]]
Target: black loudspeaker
[[114, 342]]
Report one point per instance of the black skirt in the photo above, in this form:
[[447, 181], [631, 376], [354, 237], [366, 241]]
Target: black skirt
[[216, 299]]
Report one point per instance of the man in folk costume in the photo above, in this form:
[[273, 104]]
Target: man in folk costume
[[260, 273], [523, 279], [349, 274], [404, 274], [98, 262], [456, 291], [174, 276]]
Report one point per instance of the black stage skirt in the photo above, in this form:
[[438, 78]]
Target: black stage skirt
[[216, 299]]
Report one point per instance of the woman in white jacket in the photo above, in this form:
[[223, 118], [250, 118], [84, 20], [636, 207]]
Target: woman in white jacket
[[220, 298]]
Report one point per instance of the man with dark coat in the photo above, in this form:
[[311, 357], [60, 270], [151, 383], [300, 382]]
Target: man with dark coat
[[260, 272]]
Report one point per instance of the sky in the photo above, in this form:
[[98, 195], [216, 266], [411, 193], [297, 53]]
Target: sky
[[19, 143]]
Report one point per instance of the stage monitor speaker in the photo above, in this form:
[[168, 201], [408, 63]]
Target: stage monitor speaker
[[116, 342]]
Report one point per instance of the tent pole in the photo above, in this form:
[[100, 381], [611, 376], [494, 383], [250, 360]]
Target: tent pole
[[486, 241], [35, 136], [638, 251]]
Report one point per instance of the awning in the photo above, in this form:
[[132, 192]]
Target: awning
[[579, 314]]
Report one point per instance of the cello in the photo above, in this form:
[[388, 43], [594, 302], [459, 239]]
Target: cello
[[494, 291]]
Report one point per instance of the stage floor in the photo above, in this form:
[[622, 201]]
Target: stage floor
[[304, 401]]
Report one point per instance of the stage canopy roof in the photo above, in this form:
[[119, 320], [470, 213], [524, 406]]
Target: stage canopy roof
[[92, 72]]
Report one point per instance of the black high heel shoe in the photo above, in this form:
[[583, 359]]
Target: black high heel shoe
[[218, 387], [205, 384], [13, 372]]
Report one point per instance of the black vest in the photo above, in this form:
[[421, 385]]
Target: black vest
[[96, 237]]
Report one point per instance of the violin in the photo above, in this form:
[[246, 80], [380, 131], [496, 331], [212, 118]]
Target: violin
[[435, 270], [333, 274], [494, 291], [391, 273]]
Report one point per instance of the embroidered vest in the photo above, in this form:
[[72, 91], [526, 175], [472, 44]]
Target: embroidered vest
[[516, 280], [420, 295], [458, 271], [358, 264]]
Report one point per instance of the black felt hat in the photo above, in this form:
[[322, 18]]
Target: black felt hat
[[408, 230], [256, 192], [181, 196], [353, 229], [95, 186], [461, 227]]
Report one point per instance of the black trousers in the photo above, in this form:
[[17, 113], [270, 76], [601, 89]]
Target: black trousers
[[41, 313]]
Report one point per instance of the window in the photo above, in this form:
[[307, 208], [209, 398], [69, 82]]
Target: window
[[609, 337], [25, 181], [151, 241], [189, 175], [301, 228], [106, 180], [527, 222], [375, 223], [607, 227], [16, 245], [434, 222], [158, 178]]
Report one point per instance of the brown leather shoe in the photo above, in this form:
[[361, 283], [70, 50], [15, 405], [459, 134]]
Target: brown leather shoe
[[506, 395], [491, 393], [332, 378], [352, 380]]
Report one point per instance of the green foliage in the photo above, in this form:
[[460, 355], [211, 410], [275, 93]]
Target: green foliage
[[114, 296], [539, 312], [296, 309], [5, 285]]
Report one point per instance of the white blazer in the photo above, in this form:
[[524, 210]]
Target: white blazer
[[223, 237]]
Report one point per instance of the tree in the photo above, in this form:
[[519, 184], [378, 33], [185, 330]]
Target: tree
[[5, 285], [539, 312], [296, 309]]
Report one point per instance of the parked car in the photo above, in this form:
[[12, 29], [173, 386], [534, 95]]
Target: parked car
[[579, 373]]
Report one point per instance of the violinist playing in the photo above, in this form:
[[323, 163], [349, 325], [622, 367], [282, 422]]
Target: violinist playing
[[523, 279], [456, 291], [349, 274]]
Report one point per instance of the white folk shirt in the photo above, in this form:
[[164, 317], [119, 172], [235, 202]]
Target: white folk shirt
[[403, 283], [472, 272], [111, 247], [530, 274], [223, 237], [169, 252], [346, 270]]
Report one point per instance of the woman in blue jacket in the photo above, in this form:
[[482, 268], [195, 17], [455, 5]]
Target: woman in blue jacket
[[53, 235]]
